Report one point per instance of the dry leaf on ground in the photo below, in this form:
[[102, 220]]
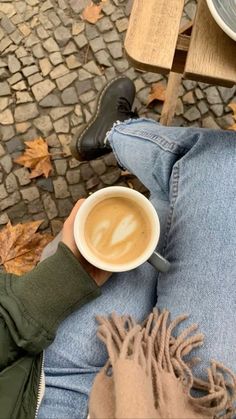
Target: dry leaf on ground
[[21, 246], [125, 173], [130, 185], [92, 13], [36, 157], [158, 92], [233, 107]]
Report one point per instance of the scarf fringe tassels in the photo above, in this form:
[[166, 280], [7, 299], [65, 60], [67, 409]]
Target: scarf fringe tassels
[[153, 346]]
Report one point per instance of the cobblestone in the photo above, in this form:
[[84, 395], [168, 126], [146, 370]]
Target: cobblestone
[[81, 40], [111, 177], [29, 194], [14, 64], [115, 49], [23, 176], [4, 219], [17, 211], [62, 125], [23, 97], [61, 166], [73, 62], [15, 144], [60, 112], [52, 66], [6, 117], [50, 206], [42, 89], [189, 98], [6, 163], [45, 184], [26, 112], [60, 188], [69, 96], [192, 114], [62, 35], [2, 151], [10, 200], [50, 101], [66, 80], [45, 66], [212, 95], [77, 192], [44, 124], [73, 176], [50, 45], [86, 171], [210, 123], [3, 192], [35, 206], [64, 207], [92, 182], [11, 183], [59, 71], [98, 166], [4, 89], [56, 226]]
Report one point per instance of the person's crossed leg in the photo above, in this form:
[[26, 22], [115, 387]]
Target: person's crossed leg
[[190, 174]]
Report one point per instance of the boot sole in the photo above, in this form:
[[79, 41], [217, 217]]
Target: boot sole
[[75, 142]]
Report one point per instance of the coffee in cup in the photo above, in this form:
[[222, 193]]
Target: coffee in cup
[[117, 229]]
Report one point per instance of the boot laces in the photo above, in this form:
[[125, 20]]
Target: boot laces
[[124, 107]]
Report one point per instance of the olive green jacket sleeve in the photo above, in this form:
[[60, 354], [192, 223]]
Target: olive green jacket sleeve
[[32, 306]]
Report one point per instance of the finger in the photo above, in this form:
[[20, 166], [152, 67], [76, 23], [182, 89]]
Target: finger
[[74, 211]]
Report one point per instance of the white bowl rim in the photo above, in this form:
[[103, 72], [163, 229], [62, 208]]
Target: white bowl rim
[[220, 21]]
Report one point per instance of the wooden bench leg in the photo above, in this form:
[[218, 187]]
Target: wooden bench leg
[[172, 94]]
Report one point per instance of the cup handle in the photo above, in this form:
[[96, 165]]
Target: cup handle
[[160, 263]]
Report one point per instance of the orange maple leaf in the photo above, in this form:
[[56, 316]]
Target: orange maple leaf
[[233, 107], [158, 92], [232, 127], [92, 13], [36, 157], [21, 246]]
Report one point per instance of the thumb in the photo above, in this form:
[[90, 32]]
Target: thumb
[[70, 220]]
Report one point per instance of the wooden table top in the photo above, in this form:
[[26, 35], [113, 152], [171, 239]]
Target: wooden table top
[[153, 42]]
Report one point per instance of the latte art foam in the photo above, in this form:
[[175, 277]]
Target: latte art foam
[[117, 230]]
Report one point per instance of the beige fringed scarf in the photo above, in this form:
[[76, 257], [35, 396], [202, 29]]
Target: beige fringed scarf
[[147, 378]]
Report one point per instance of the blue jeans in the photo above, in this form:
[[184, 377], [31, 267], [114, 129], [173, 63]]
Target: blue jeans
[[191, 174]]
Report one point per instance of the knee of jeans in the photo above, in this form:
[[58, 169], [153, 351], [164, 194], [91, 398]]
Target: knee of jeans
[[76, 349]]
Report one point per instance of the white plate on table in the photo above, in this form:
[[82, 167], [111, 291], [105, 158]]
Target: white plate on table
[[224, 13]]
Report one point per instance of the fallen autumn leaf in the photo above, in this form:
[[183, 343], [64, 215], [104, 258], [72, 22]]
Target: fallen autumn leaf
[[233, 107], [92, 13], [36, 157], [158, 92], [21, 246]]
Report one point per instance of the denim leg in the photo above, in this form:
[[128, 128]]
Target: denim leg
[[149, 151], [190, 173], [196, 170], [76, 355]]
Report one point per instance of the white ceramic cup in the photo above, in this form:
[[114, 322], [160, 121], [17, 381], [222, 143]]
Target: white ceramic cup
[[148, 255]]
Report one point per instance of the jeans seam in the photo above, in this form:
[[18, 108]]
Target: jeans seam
[[175, 190], [117, 158], [163, 142]]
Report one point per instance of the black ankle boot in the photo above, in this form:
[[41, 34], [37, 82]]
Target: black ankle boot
[[114, 103]]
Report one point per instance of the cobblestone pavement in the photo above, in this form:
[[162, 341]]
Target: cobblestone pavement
[[52, 65]]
